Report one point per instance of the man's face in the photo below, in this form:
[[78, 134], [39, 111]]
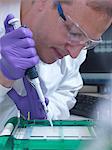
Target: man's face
[[51, 34]]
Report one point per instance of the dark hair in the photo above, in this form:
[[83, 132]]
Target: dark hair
[[101, 5]]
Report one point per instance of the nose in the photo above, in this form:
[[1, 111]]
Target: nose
[[73, 48]]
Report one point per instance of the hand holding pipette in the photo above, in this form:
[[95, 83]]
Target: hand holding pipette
[[19, 51]]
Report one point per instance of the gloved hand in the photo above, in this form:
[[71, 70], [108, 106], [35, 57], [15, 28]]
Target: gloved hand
[[17, 50], [29, 103]]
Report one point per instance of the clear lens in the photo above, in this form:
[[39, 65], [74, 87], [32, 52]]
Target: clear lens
[[75, 35], [78, 36]]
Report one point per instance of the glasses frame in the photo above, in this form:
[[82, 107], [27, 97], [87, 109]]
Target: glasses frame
[[90, 43]]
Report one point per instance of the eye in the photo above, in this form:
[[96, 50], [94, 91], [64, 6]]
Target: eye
[[76, 34]]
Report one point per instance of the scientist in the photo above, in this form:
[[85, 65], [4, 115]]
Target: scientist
[[58, 34]]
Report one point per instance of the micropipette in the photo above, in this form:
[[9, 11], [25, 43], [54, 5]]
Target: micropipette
[[33, 75]]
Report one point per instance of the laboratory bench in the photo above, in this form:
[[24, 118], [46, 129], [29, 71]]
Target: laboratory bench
[[82, 131], [20, 134], [77, 133]]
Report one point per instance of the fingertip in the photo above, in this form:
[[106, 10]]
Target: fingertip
[[30, 42], [37, 59], [33, 52], [8, 27], [9, 17], [26, 32]]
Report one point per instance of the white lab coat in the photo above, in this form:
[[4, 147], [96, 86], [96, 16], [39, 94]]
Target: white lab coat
[[60, 84]]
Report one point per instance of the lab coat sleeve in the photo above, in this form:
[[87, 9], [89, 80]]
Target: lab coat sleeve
[[63, 98], [3, 92], [7, 107], [60, 103]]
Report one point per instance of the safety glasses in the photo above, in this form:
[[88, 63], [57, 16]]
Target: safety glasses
[[76, 35]]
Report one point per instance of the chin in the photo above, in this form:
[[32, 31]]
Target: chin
[[48, 61]]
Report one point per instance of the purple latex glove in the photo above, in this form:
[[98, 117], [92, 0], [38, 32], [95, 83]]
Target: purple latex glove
[[17, 50], [29, 103]]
